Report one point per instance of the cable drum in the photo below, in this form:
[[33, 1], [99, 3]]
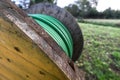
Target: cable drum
[[66, 19], [56, 30]]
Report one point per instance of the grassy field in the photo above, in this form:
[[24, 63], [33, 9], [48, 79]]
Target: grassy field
[[101, 55], [104, 22]]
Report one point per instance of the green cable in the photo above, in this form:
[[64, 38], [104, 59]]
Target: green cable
[[56, 30]]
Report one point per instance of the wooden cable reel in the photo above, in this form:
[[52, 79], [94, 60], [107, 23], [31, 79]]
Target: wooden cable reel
[[27, 52]]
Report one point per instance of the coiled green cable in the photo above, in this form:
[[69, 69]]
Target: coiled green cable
[[56, 30]]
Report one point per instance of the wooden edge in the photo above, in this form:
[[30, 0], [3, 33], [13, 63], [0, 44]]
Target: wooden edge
[[41, 38]]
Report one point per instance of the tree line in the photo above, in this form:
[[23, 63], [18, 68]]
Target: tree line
[[87, 9], [93, 13]]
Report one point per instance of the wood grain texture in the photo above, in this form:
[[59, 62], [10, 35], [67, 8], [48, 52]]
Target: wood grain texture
[[27, 52], [22, 59]]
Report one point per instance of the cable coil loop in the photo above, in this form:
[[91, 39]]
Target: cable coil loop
[[56, 30]]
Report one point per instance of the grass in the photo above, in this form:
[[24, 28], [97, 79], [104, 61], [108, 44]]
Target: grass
[[104, 22], [101, 55]]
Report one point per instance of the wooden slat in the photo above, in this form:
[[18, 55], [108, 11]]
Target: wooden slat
[[20, 58]]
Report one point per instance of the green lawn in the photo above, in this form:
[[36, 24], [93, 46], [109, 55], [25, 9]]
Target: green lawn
[[101, 55], [104, 22]]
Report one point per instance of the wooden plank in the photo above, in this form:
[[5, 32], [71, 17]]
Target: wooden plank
[[21, 58]]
